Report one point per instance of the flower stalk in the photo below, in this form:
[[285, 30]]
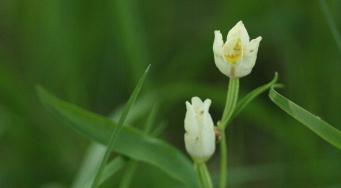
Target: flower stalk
[[231, 103], [204, 175]]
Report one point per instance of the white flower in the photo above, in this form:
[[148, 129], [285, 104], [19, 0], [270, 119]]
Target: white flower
[[238, 55], [199, 127]]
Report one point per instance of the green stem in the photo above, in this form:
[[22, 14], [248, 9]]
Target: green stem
[[231, 103], [204, 175], [223, 161]]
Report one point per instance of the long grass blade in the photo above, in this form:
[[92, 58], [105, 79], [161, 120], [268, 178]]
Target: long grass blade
[[133, 165], [313, 122], [112, 167], [119, 126]]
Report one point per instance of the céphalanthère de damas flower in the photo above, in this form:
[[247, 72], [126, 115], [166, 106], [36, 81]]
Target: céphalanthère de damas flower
[[237, 56]]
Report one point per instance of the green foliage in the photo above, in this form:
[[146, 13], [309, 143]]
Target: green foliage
[[130, 142], [313, 122], [118, 127], [91, 53]]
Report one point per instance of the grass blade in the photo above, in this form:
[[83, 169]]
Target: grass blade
[[85, 176], [128, 174], [112, 167], [132, 165], [119, 126], [314, 123], [98, 128], [87, 172]]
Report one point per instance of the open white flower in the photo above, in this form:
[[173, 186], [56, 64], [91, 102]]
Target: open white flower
[[199, 127], [238, 55]]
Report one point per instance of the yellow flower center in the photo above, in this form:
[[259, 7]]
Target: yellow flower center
[[233, 53]]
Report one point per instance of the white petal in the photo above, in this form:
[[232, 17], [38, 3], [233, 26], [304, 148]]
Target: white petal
[[208, 136], [244, 67], [238, 31], [253, 46], [218, 43], [221, 64], [190, 120], [207, 104], [196, 103]]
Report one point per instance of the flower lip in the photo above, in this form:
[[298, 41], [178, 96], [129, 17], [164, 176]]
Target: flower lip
[[233, 52]]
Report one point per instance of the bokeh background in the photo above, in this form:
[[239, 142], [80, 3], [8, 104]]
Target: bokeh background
[[92, 53]]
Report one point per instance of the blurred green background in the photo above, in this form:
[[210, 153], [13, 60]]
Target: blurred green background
[[92, 53]]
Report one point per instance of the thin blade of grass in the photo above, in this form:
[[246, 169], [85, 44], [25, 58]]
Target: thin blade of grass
[[151, 119], [313, 122], [112, 167], [89, 165], [133, 165], [87, 172], [119, 126]]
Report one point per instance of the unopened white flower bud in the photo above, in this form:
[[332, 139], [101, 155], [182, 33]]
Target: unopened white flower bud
[[199, 127]]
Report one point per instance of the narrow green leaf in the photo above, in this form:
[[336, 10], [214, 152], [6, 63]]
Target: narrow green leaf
[[314, 123], [89, 165], [119, 126], [132, 165], [128, 174], [151, 119], [242, 103], [112, 167], [130, 142]]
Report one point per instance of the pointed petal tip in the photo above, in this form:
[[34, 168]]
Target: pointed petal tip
[[208, 103], [240, 24], [195, 98], [218, 35], [217, 32], [188, 104]]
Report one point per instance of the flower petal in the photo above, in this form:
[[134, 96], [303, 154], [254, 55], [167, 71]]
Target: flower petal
[[208, 136], [244, 67], [218, 43], [190, 120], [238, 31], [221, 64], [197, 103], [207, 104]]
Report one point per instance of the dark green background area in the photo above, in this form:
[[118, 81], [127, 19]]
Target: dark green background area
[[92, 53]]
